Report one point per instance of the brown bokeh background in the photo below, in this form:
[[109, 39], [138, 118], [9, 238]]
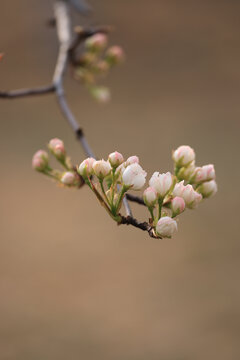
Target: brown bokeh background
[[73, 285]]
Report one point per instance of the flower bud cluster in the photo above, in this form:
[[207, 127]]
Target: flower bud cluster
[[114, 177], [40, 162], [202, 178], [166, 197], [96, 61]]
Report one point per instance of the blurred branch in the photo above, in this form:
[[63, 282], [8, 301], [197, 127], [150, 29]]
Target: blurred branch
[[67, 47], [27, 92]]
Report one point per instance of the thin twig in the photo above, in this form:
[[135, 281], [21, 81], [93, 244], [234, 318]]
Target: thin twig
[[129, 220], [27, 92]]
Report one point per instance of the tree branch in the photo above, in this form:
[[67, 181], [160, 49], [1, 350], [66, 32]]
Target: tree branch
[[27, 92], [66, 51], [129, 220]]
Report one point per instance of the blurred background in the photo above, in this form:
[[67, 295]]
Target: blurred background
[[74, 285]]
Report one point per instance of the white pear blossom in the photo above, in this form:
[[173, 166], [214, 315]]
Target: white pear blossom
[[134, 176], [150, 197], [183, 155], [161, 183], [166, 227], [85, 169], [101, 168], [189, 195], [208, 188]]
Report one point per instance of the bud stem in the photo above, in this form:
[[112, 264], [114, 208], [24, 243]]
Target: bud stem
[[160, 202]]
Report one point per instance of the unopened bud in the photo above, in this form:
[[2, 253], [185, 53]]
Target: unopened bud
[[101, 93], [57, 148], [204, 173], [189, 195], [166, 227], [40, 160], [186, 173], [115, 55], [132, 160], [177, 206], [69, 178], [150, 197], [183, 155], [115, 159], [85, 169], [101, 168], [96, 42], [101, 67], [208, 188]]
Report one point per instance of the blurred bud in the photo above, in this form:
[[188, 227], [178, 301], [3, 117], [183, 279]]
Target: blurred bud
[[132, 160], [115, 55], [85, 169], [166, 227], [1, 56], [177, 205], [189, 195], [161, 183], [100, 93], [40, 160], [101, 168], [204, 173], [134, 176], [101, 67], [150, 197], [183, 156], [96, 42], [208, 188], [69, 178], [115, 159], [56, 146]]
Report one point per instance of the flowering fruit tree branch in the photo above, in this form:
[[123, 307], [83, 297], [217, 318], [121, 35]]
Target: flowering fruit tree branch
[[167, 195]]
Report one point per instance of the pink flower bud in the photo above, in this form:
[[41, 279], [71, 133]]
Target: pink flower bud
[[161, 183], [57, 148], [150, 197], [166, 227], [177, 205], [189, 195], [69, 178], [132, 160], [134, 176], [101, 168], [204, 173], [115, 55], [183, 156], [115, 159], [96, 42], [85, 169], [40, 160], [208, 188]]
